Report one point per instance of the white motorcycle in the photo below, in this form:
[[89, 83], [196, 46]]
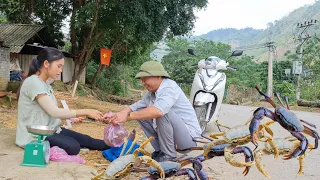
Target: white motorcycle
[[208, 88]]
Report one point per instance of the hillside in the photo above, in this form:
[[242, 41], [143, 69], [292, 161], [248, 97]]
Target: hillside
[[281, 31], [232, 36]]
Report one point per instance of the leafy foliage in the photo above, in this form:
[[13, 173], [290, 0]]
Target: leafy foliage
[[129, 27], [311, 66], [44, 12], [182, 66]]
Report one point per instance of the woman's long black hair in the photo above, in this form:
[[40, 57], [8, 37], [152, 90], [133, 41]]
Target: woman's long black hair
[[50, 54]]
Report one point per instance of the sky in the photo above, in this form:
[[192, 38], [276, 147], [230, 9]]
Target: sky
[[243, 13]]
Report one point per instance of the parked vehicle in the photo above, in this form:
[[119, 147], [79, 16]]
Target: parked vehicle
[[208, 88]]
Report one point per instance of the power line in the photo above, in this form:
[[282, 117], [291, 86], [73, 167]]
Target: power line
[[302, 39]]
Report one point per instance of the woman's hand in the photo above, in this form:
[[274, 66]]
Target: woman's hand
[[77, 120], [107, 117], [95, 114]]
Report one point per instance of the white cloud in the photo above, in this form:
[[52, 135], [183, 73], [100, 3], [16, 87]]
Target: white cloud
[[243, 13]]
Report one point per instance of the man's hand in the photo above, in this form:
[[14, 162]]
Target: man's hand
[[119, 118]]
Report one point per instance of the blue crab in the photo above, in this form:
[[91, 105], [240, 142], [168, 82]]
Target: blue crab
[[174, 169], [284, 146], [123, 165], [230, 145], [288, 120]]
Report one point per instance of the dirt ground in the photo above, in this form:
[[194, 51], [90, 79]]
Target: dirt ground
[[216, 168]]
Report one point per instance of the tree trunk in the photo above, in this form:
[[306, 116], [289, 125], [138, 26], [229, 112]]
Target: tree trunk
[[73, 37], [87, 49], [308, 103], [94, 78]]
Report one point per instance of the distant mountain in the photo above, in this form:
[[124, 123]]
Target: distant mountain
[[232, 36], [283, 33]]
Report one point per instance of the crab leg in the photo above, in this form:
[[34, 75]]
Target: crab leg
[[132, 145], [267, 98], [310, 124], [287, 102], [209, 138], [219, 124], [259, 165], [99, 176], [249, 158], [269, 140], [219, 149], [187, 171], [215, 135], [312, 133], [301, 164], [279, 98], [197, 165], [300, 149], [140, 149], [153, 163], [124, 146]]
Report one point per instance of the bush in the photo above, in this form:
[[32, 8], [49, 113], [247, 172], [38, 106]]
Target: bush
[[286, 89], [310, 90], [114, 79]]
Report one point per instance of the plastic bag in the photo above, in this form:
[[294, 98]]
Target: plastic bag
[[114, 134], [60, 155]]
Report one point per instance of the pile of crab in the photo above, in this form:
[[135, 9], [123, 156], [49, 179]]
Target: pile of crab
[[233, 142]]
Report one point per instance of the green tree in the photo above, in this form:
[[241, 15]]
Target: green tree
[[248, 73], [130, 27], [3, 17], [181, 66], [43, 12], [311, 67]]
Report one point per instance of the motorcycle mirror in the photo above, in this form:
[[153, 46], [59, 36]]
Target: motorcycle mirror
[[191, 51], [237, 53]]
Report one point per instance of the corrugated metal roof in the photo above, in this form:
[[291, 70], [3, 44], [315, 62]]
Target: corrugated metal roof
[[16, 35]]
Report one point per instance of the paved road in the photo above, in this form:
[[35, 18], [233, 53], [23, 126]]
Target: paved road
[[233, 115]]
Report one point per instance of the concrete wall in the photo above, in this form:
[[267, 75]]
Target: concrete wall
[[4, 68]]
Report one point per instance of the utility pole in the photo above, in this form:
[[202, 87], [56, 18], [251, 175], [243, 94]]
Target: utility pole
[[271, 54], [302, 39], [271, 49]]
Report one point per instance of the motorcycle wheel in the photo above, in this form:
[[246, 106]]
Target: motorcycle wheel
[[201, 112]]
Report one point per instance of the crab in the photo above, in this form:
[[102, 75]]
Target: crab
[[284, 146], [288, 120], [175, 169], [123, 165], [231, 144]]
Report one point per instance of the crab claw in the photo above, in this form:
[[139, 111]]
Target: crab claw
[[154, 164], [258, 115], [249, 159], [253, 131], [187, 171], [197, 166]]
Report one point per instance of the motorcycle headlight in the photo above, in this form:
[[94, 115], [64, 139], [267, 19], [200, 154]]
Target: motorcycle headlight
[[211, 62]]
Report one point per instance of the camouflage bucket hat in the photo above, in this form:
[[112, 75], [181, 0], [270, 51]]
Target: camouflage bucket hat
[[151, 68]]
